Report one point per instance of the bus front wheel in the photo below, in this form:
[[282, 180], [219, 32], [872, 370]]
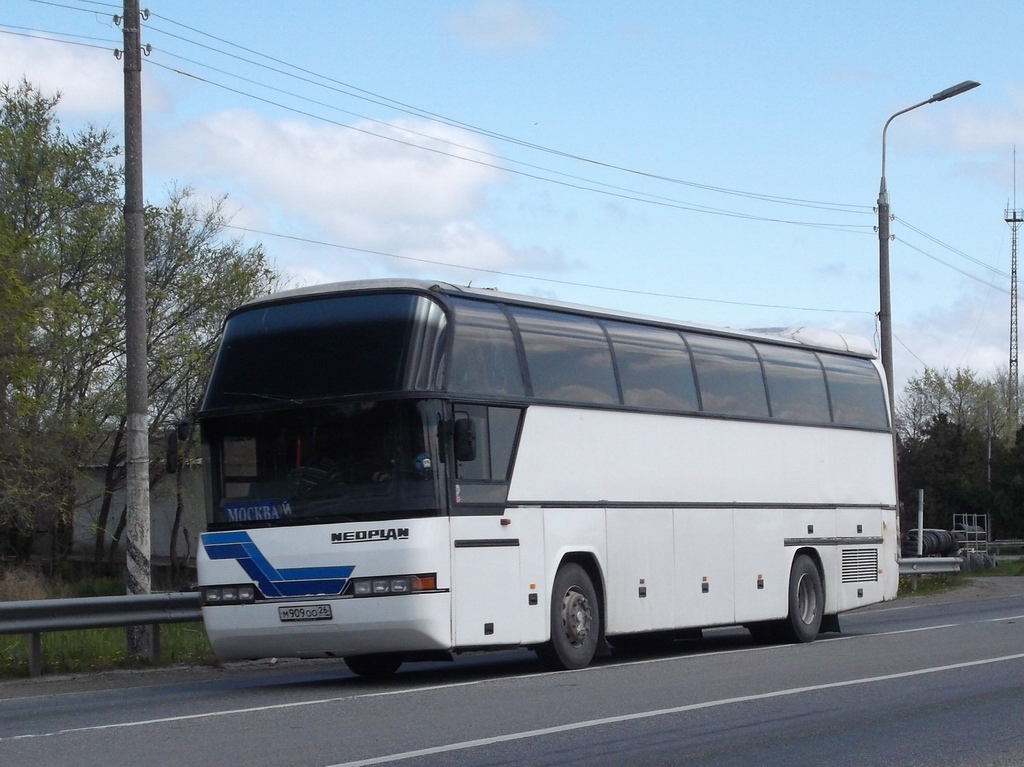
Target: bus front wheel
[[575, 620], [375, 666], [806, 601]]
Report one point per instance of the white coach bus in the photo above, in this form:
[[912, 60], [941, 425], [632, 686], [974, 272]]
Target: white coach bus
[[400, 470]]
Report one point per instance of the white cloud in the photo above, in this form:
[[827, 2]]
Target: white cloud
[[501, 26], [971, 332], [355, 189], [90, 81], [339, 177]]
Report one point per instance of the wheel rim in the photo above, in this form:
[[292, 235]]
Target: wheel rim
[[576, 616], [806, 600]]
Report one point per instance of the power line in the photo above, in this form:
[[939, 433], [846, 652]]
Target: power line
[[369, 251], [409, 109], [653, 197], [951, 249], [633, 197], [34, 35], [630, 194], [419, 134], [977, 325], [950, 266], [611, 190], [111, 6], [911, 351]]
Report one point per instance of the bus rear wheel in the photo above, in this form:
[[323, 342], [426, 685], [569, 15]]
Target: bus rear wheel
[[806, 601], [374, 666], [575, 621]]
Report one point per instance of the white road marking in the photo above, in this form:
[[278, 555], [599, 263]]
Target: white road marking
[[526, 734], [591, 669]]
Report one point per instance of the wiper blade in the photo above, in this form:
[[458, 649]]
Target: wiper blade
[[267, 397]]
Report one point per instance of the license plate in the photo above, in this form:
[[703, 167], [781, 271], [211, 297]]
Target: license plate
[[305, 613]]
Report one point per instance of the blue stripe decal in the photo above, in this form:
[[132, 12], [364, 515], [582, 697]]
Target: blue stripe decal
[[286, 582]]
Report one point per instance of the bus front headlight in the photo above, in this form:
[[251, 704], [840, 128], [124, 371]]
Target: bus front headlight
[[235, 594], [391, 585]]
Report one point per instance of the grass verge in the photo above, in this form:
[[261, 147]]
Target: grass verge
[[929, 584], [68, 652], [1007, 567], [942, 582]]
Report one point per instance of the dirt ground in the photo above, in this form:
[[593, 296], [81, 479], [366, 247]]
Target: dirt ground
[[974, 588]]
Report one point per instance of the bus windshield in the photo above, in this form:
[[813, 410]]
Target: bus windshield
[[355, 460], [327, 348]]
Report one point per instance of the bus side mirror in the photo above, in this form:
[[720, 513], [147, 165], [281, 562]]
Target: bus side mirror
[[465, 439], [171, 438], [182, 432]]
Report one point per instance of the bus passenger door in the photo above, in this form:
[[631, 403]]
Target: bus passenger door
[[486, 580]]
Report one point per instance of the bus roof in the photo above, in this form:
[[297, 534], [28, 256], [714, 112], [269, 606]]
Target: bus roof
[[815, 338]]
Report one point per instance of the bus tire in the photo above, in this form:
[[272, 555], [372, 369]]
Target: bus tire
[[374, 666], [806, 601], [575, 621]]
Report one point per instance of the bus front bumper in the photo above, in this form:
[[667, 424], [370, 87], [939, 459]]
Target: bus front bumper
[[406, 623]]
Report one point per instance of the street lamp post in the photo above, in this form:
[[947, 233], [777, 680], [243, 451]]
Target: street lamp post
[[884, 298]]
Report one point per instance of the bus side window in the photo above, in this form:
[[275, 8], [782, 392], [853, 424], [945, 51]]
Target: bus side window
[[568, 357], [796, 384], [484, 356], [729, 375], [485, 479], [655, 368], [857, 393]]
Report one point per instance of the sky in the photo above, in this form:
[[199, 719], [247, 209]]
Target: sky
[[716, 163]]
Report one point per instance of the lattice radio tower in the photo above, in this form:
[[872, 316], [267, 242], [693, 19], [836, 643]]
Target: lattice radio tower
[[1014, 217]]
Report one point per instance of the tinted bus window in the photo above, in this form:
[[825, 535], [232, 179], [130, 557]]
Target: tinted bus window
[[568, 357], [484, 359], [729, 375], [654, 367], [856, 390], [796, 384], [485, 479], [328, 347]]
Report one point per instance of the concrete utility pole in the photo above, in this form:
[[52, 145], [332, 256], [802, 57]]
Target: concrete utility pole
[[884, 299], [137, 483]]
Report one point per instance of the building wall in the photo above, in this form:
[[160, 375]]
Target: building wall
[[162, 510]]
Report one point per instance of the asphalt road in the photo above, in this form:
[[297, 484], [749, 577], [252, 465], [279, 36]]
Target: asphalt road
[[936, 681]]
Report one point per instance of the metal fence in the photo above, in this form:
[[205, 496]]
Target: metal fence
[[930, 565], [37, 616]]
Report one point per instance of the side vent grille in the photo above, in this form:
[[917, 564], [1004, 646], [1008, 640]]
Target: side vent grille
[[860, 565]]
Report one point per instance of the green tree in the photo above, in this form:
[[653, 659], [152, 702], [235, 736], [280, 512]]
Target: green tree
[[958, 442], [960, 396], [62, 317], [194, 277], [59, 226]]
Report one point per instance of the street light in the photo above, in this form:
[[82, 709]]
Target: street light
[[884, 298]]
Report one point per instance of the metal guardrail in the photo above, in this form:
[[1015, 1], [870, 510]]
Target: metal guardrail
[[930, 565], [35, 617], [997, 547]]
